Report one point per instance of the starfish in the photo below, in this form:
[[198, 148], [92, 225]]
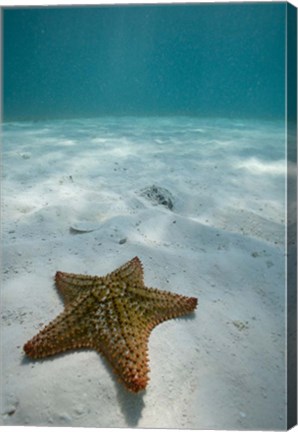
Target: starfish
[[114, 315]]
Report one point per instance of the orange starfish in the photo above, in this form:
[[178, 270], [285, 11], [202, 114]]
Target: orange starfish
[[114, 315]]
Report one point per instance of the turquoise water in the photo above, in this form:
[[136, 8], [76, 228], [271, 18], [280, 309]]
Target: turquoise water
[[222, 60]]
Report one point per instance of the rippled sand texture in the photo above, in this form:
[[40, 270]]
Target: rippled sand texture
[[73, 200]]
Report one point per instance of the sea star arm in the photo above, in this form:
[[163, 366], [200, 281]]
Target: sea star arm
[[131, 271], [71, 285], [123, 340], [70, 330], [125, 328], [158, 306]]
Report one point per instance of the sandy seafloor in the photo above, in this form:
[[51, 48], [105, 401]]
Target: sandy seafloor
[[223, 241]]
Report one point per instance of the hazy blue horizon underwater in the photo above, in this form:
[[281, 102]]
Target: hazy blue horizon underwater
[[214, 60]]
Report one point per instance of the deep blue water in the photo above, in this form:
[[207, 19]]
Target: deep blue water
[[224, 60]]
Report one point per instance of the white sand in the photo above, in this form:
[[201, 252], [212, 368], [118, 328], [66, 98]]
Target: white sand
[[223, 242]]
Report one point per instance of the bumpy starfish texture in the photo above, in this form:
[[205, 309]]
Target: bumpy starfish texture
[[114, 315]]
